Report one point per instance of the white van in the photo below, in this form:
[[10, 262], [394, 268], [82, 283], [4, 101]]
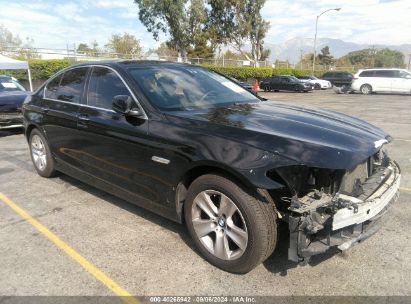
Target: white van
[[382, 80]]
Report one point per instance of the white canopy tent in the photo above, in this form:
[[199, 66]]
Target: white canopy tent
[[7, 63]]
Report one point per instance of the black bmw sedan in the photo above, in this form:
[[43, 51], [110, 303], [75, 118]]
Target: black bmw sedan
[[195, 147], [12, 95], [285, 83]]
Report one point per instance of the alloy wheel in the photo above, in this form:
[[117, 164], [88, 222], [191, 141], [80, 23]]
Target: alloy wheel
[[38, 151], [219, 225]]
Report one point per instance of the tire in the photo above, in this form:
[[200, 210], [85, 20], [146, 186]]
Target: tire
[[366, 89], [235, 214], [317, 86], [40, 154]]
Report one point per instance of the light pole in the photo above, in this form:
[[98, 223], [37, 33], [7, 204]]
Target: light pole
[[316, 28]]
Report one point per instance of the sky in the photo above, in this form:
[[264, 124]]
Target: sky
[[56, 24]]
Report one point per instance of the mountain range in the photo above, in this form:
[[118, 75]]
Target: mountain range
[[291, 49]]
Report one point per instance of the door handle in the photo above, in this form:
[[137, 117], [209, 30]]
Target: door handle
[[83, 118], [45, 109]]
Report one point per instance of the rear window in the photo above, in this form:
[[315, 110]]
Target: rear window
[[8, 84]]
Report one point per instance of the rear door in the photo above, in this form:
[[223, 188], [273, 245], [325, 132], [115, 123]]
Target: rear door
[[274, 83], [60, 107]]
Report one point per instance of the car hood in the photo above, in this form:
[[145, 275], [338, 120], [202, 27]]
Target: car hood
[[11, 101], [311, 137]]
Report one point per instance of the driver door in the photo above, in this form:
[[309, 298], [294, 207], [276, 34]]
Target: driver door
[[401, 82], [112, 147]]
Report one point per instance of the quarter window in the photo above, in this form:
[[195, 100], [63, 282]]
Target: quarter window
[[51, 89], [104, 84]]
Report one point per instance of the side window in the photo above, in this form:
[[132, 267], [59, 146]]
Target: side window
[[72, 85], [367, 74], [51, 89], [385, 73], [403, 74], [104, 84]]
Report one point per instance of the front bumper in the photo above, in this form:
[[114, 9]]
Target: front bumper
[[10, 120], [343, 221]]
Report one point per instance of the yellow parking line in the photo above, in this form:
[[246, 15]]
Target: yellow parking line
[[97, 273], [405, 189]]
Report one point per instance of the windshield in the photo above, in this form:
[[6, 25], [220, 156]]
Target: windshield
[[186, 87], [313, 78], [293, 78], [8, 85]]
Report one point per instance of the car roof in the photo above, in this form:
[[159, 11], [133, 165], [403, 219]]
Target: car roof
[[127, 63], [384, 69]]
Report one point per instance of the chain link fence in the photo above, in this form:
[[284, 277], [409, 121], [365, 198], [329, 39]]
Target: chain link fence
[[76, 56]]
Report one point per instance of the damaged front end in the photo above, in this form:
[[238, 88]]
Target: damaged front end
[[336, 208]]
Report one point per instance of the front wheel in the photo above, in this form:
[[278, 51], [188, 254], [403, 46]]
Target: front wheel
[[232, 229], [40, 154]]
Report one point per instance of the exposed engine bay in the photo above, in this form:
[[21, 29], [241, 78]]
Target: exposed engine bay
[[333, 208]]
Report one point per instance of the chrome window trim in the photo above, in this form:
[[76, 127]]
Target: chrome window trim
[[88, 106], [79, 104]]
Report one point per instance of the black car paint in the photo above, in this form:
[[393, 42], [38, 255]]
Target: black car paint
[[338, 79], [114, 152], [10, 107], [285, 83]]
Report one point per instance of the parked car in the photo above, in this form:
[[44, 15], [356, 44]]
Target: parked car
[[12, 95], [317, 83], [382, 80], [195, 147], [245, 85], [338, 79], [285, 83]]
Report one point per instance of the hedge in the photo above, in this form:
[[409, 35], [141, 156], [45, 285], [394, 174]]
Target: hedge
[[244, 73], [40, 69], [43, 69]]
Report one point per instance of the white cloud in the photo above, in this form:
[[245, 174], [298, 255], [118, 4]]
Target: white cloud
[[55, 24], [366, 21]]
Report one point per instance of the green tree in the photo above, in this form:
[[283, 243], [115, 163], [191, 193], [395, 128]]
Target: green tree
[[184, 21], [126, 45], [325, 56], [372, 57], [165, 51], [83, 48], [13, 43], [387, 58], [8, 39], [239, 22]]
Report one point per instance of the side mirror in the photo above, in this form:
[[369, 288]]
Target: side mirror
[[124, 104]]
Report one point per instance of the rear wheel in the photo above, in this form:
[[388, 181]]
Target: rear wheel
[[317, 86], [40, 154], [366, 89], [232, 229]]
